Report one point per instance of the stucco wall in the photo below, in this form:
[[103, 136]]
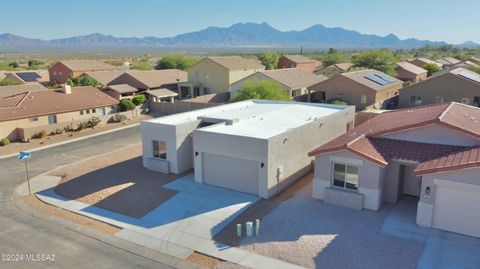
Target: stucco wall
[[210, 75], [450, 87], [370, 179], [59, 73]]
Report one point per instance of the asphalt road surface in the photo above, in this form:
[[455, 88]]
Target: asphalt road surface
[[22, 234]]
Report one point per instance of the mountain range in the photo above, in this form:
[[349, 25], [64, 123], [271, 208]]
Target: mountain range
[[241, 35]]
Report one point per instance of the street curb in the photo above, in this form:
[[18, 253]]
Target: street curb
[[115, 242], [72, 140]]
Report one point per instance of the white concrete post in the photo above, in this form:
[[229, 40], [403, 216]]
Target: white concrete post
[[249, 228], [239, 229]]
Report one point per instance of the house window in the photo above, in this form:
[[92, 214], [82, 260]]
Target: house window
[[345, 176], [416, 100], [207, 90], [94, 110], [102, 111], [296, 92], [81, 112], [88, 111], [33, 119], [363, 99], [476, 101], [207, 76], [52, 119], [159, 150], [60, 73], [438, 99], [197, 76], [54, 73]]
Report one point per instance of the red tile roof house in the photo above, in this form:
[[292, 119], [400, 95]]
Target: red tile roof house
[[410, 72], [430, 152], [25, 114], [61, 71], [298, 61]]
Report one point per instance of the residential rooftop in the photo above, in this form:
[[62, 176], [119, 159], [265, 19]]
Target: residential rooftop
[[157, 78], [294, 78], [17, 89], [106, 76], [373, 79], [237, 62], [254, 118], [299, 59], [460, 72], [88, 65], [47, 102], [411, 68]]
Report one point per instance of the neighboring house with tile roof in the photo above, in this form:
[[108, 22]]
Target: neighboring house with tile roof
[[363, 88], [6, 91], [298, 61], [293, 80], [334, 69], [410, 72], [430, 152], [448, 61], [217, 74], [421, 62], [152, 79], [29, 77], [475, 60], [23, 114], [61, 71], [104, 77], [457, 85]]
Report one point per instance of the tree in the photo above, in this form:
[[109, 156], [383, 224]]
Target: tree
[[431, 68], [82, 81], [175, 62], [264, 90], [139, 99], [13, 65], [126, 105], [8, 82], [269, 59], [333, 57], [34, 63], [381, 60]]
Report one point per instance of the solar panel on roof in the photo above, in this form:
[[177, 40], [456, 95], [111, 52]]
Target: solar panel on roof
[[29, 76], [470, 76], [386, 77], [377, 80]]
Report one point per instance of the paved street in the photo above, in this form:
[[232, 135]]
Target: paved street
[[21, 233]]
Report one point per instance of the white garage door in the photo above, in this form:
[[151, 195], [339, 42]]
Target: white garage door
[[457, 210], [231, 173]]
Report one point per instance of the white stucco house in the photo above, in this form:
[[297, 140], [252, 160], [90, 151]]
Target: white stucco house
[[257, 147], [430, 152]]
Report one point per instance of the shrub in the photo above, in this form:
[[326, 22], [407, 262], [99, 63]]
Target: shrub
[[126, 104], [70, 127], [337, 101], [139, 99], [82, 125], [59, 131], [4, 141], [118, 118], [41, 134], [94, 121]]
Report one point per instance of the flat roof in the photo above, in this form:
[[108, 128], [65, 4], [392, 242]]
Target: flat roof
[[254, 118]]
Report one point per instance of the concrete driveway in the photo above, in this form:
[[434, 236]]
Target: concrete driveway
[[442, 249]]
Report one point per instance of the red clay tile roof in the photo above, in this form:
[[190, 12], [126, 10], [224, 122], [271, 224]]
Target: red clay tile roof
[[365, 140], [41, 103]]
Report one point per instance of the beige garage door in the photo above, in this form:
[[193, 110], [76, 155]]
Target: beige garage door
[[231, 173], [457, 210]]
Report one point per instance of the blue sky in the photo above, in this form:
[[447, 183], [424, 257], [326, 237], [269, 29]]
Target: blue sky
[[451, 21]]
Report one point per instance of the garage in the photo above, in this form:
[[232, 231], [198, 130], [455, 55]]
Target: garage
[[457, 210], [230, 173]]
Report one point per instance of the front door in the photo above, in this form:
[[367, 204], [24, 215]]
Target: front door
[[411, 183]]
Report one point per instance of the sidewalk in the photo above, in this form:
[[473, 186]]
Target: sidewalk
[[201, 211]]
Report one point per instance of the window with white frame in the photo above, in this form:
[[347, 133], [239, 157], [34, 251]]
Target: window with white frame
[[363, 99], [33, 119], [345, 176], [439, 99], [416, 100]]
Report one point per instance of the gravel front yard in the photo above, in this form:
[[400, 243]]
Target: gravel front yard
[[117, 182], [313, 234]]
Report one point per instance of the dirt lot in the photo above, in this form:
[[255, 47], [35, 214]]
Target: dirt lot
[[15, 147], [313, 234], [34, 202], [115, 181]]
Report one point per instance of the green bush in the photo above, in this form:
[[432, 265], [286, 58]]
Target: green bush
[[337, 101], [41, 134], [126, 105], [118, 118], [4, 141], [139, 99], [82, 125], [70, 127], [94, 121], [263, 90], [59, 131]]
